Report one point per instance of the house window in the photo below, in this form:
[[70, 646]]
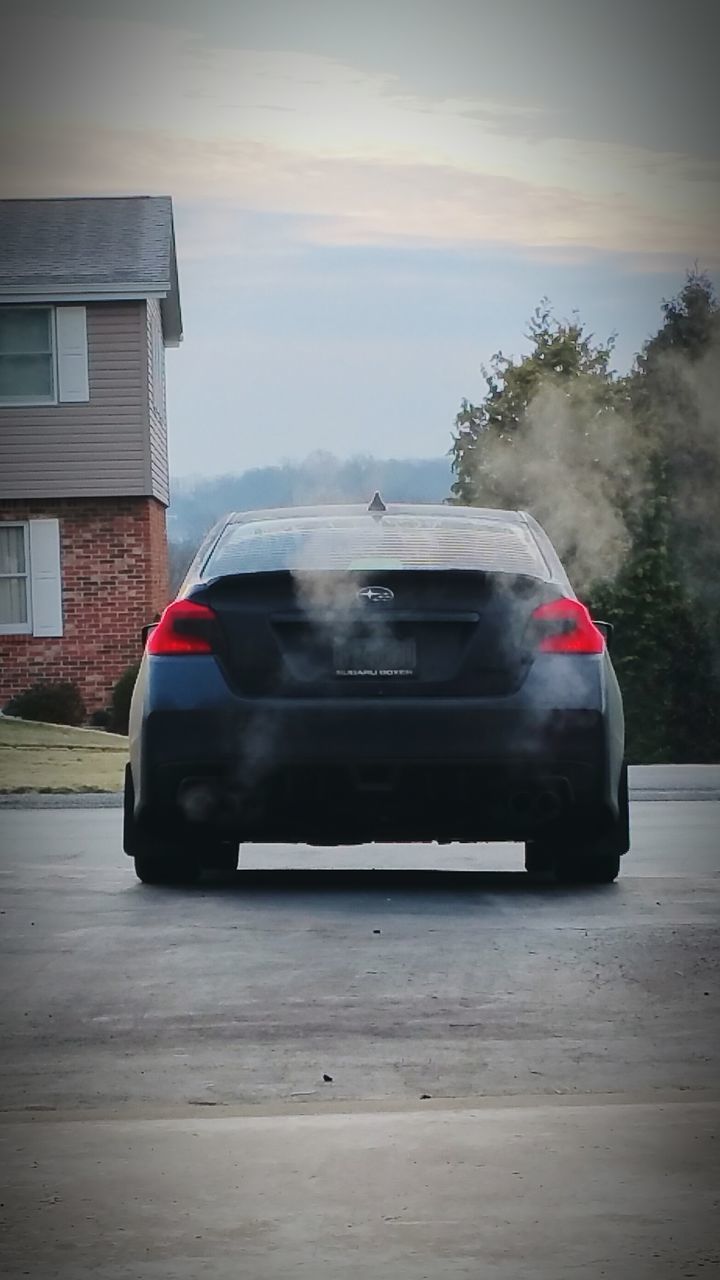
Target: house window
[[30, 578], [43, 355], [27, 355], [15, 605]]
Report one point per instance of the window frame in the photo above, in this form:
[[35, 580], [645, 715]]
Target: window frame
[[20, 628], [18, 401]]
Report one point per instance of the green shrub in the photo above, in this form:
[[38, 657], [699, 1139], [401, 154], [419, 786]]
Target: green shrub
[[120, 698], [59, 703], [100, 719]]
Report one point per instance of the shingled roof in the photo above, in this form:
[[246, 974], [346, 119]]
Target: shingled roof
[[87, 249]]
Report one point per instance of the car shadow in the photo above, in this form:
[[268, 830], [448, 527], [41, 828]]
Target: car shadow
[[379, 882]]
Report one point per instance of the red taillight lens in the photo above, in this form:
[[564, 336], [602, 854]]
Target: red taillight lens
[[185, 627], [565, 626]]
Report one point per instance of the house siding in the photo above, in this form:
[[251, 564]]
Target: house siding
[[113, 556], [157, 410], [98, 448]]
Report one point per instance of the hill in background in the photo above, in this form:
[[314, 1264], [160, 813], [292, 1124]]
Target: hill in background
[[196, 505]]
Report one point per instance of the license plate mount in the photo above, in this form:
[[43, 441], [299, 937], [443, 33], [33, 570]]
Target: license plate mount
[[377, 658]]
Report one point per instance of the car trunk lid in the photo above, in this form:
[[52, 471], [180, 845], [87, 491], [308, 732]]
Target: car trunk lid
[[398, 634]]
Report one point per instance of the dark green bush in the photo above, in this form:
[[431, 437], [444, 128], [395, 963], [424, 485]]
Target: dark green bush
[[100, 719], [59, 703], [120, 699]]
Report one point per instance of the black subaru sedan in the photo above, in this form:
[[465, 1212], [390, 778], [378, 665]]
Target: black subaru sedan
[[345, 674]]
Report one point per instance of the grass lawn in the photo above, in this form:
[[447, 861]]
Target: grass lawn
[[56, 758]]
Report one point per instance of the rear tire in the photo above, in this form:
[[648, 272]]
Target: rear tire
[[222, 857], [540, 861], [156, 861], [167, 870], [587, 866], [584, 861]]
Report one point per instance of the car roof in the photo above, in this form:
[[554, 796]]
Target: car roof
[[436, 509]]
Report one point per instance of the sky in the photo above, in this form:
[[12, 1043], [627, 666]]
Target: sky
[[370, 199]]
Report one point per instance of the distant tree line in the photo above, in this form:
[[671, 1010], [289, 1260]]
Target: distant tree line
[[624, 472]]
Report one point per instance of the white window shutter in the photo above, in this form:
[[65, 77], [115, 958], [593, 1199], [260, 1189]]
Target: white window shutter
[[46, 585], [72, 353]]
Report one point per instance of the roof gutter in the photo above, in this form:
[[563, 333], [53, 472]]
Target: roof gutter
[[172, 330], [82, 293]]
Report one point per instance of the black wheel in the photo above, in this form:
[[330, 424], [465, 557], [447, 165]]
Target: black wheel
[[166, 870], [587, 865], [156, 861], [584, 860], [222, 857], [540, 861], [578, 862]]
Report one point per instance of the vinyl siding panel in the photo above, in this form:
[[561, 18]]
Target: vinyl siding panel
[[157, 411], [97, 448]]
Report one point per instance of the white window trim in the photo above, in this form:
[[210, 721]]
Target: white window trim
[[43, 574], [71, 355], [10, 402], [20, 628], [46, 576], [68, 358]]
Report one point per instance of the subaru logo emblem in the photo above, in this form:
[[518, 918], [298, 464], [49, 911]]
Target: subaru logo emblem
[[376, 595]]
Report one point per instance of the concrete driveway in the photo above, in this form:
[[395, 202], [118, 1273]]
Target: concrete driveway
[[524, 1081]]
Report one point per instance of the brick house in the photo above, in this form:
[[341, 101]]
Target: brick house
[[88, 303]]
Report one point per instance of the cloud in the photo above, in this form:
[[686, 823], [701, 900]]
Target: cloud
[[643, 73], [346, 201], [108, 105], [111, 106]]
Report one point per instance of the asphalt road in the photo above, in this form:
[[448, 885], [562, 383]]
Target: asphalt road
[[524, 1080]]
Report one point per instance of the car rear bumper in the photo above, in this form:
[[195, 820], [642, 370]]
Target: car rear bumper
[[350, 770]]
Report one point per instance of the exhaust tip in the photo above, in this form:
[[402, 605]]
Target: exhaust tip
[[547, 805], [198, 800], [536, 806]]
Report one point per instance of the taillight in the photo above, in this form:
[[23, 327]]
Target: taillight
[[185, 627], [565, 626]]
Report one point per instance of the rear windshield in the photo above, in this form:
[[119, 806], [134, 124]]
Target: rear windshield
[[311, 544]]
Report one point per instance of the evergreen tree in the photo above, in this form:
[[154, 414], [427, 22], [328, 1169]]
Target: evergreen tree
[[559, 435], [666, 599], [485, 458]]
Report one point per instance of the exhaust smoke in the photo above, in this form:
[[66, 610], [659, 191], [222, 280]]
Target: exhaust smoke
[[575, 465]]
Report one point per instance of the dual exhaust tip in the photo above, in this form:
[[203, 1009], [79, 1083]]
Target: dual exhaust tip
[[535, 806], [199, 800]]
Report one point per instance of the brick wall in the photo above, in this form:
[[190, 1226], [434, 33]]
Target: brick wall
[[113, 554]]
